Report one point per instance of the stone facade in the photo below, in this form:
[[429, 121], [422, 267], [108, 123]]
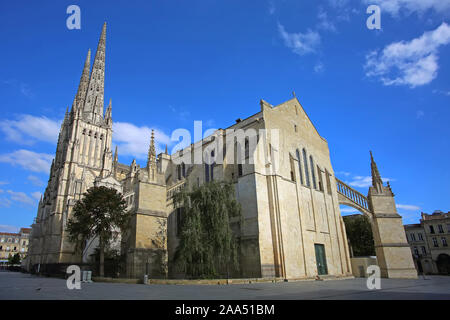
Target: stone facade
[[429, 242], [277, 161]]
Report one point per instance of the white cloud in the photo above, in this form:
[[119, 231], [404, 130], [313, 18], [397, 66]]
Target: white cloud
[[21, 197], [36, 181], [445, 93], [325, 22], [300, 43], [28, 129], [348, 210], [29, 160], [36, 195], [364, 181], [343, 173], [319, 67], [394, 7], [134, 141], [271, 7], [413, 63], [9, 229], [420, 114], [407, 207]]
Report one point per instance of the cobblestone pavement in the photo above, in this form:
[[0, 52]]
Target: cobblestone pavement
[[16, 286]]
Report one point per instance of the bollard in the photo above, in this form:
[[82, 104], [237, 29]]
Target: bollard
[[89, 276], [145, 279], [84, 276]]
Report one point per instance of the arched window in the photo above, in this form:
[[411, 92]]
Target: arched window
[[179, 172], [247, 148], [313, 172], [212, 165], [183, 170], [305, 161], [297, 153]]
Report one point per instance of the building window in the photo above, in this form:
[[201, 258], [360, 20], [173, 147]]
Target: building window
[[305, 161], [448, 227], [183, 170], [319, 174], [416, 251], [444, 242], [24, 243], [9, 240], [1, 248], [247, 148], [295, 127], [2, 240], [179, 172], [435, 242], [240, 170], [413, 237], [291, 160], [441, 229], [328, 175], [212, 165], [424, 251], [431, 229], [297, 153], [420, 236], [313, 175]]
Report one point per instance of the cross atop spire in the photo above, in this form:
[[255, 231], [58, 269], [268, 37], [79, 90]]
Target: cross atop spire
[[376, 177], [95, 92]]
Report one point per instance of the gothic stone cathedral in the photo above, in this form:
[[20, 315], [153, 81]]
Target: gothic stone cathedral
[[291, 226]]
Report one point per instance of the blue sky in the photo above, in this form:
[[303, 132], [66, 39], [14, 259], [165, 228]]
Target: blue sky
[[169, 63]]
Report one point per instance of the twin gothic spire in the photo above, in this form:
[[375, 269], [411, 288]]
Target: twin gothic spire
[[90, 96]]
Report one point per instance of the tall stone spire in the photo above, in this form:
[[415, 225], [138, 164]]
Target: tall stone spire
[[151, 151], [84, 82], [108, 114], [94, 96], [376, 177]]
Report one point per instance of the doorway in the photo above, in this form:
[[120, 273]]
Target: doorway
[[321, 259]]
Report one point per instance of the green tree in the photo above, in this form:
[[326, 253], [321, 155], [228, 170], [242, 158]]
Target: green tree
[[99, 213], [13, 260], [359, 233], [207, 245]]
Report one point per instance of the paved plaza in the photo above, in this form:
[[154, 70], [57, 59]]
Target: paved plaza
[[16, 286]]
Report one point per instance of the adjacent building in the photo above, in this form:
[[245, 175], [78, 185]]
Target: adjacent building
[[12, 243], [429, 241]]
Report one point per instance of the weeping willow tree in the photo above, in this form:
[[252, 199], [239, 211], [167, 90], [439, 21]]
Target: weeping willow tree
[[207, 246]]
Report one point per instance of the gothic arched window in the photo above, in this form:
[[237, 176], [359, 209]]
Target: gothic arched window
[[297, 153], [305, 161], [212, 165], [313, 172]]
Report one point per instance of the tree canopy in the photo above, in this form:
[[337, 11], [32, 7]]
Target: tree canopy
[[99, 213], [359, 233], [207, 246]]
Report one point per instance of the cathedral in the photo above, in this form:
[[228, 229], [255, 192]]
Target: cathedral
[[291, 224]]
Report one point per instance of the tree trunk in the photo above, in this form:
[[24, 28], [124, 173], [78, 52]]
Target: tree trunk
[[102, 258]]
